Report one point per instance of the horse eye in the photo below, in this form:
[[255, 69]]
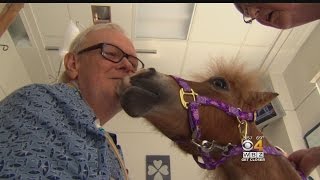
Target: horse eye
[[220, 83]]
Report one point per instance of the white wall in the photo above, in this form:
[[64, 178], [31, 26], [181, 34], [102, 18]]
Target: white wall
[[138, 138], [291, 125], [137, 145], [276, 135], [298, 76], [306, 63], [13, 74], [304, 95], [308, 112]]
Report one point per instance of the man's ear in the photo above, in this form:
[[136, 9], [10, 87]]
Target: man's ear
[[71, 65], [257, 100]]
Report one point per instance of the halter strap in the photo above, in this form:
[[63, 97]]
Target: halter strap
[[210, 164], [194, 118], [194, 121], [230, 110]]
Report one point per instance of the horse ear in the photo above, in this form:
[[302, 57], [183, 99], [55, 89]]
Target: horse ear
[[257, 100]]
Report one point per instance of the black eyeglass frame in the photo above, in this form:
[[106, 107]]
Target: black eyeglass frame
[[244, 13], [100, 46], [247, 21]]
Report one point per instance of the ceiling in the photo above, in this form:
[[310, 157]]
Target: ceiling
[[2, 5], [216, 30]]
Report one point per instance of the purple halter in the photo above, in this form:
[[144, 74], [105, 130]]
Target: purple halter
[[206, 147]]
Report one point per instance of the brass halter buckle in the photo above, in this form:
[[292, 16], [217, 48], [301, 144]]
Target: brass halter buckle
[[183, 101], [243, 129]]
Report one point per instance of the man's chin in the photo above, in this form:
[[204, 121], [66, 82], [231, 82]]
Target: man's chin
[[137, 101]]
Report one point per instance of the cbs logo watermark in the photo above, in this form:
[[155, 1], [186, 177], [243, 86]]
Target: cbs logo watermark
[[252, 152]]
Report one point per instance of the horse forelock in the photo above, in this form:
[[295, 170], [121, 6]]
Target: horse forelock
[[236, 73]]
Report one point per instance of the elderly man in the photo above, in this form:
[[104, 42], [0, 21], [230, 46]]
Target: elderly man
[[284, 16], [53, 131]]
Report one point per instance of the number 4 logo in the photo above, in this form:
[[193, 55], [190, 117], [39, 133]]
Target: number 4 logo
[[258, 146]]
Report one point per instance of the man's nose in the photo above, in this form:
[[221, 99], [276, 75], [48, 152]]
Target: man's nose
[[126, 65], [253, 12]]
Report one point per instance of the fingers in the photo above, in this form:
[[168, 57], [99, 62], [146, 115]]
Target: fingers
[[305, 160], [306, 167], [296, 159], [297, 155]]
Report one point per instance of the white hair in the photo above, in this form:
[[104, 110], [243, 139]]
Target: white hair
[[77, 42], [81, 37]]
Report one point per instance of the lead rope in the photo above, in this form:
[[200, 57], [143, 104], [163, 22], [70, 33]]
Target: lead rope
[[116, 152], [109, 139]]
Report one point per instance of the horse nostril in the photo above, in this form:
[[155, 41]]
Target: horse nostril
[[153, 70], [145, 75]]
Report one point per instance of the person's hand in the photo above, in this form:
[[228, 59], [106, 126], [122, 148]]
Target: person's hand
[[306, 160]]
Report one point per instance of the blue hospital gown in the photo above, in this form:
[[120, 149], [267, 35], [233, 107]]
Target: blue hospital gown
[[48, 132]]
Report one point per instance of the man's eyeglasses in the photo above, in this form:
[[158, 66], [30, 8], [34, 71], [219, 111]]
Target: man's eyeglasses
[[248, 20], [114, 54]]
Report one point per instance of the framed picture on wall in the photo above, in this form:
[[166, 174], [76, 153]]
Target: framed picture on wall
[[158, 167], [311, 138]]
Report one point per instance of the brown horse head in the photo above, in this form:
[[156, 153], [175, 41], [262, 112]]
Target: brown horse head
[[156, 97]]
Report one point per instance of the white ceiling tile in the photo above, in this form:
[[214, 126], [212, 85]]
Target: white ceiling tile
[[260, 35], [81, 12], [199, 55], [218, 23], [169, 55], [121, 13], [253, 56], [151, 22], [52, 19]]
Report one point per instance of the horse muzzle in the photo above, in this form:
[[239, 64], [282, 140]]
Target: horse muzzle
[[140, 92]]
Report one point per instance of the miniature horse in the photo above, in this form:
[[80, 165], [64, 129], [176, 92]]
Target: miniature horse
[[210, 119]]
